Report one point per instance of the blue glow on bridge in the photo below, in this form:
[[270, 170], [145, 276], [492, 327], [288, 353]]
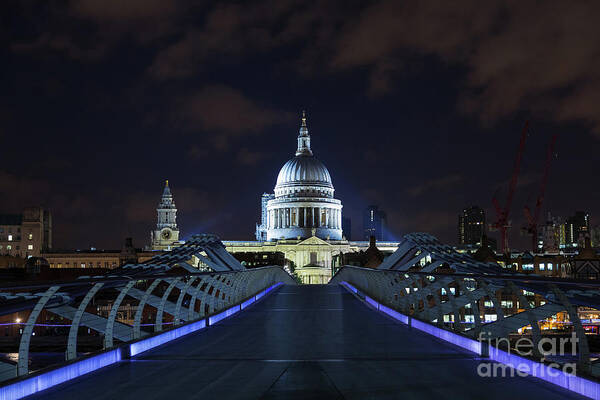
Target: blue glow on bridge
[[222, 315], [45, 380], [60, 375], [157, 340], [539, 370]]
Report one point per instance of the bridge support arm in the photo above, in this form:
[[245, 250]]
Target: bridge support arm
[[72, 341], [23, 362]]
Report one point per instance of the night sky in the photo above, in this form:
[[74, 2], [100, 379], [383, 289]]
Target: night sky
[[414, 106]]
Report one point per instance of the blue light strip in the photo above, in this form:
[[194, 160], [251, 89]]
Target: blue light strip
[[224, 314], [248, 302], [230, 311], [457, 340], [57, 376], [157, 340], [547, 373], [45, 380], [539, 370], [394, 314], [372, 302]]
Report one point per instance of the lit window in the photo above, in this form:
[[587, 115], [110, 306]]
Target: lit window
[[29, 247], [549, 266], [542, 266], [30, 236], [527, 267], [10, 238]]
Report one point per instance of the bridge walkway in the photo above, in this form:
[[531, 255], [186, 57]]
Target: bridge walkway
[[304, 342]]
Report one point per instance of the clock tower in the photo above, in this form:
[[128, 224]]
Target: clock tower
[[166, 233]]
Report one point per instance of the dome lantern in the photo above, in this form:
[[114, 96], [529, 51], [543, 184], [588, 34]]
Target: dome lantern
[[303, 139]]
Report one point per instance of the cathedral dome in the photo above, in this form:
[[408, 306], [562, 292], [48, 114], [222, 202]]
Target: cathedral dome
[[303, 204], [303, 170]]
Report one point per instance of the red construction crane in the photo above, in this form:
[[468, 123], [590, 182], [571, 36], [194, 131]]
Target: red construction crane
[[532, 220], [502, 223]]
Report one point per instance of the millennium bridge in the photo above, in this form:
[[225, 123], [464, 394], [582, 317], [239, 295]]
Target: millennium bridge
[[427, 323]]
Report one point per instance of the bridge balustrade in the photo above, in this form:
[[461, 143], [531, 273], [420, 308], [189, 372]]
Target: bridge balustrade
[[474, 306], [175, 303]]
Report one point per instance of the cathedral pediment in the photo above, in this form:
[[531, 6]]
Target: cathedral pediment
[[313, 241]]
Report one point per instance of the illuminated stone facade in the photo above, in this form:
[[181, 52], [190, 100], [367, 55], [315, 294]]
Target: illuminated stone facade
[[27, 234], [302, 219], [166, 234], [303, 205], [312, 260]]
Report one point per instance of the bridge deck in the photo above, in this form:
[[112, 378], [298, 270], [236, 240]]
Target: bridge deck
[[304, 342]]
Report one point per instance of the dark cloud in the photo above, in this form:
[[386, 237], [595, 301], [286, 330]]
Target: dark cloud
[[115, 10], [201, 92], [445, 182], [248, 157], [548, 63], [63, 44], [226, 113], [237, 29]]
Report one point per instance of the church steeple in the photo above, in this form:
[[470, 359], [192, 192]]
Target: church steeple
[[166, 209], [167, 190], [303, 139], [166, 232]]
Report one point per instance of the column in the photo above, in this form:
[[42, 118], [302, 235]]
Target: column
[[288, 218], [327, 217], [304, 215]]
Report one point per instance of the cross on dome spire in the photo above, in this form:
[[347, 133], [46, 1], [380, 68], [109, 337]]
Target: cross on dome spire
[[303, 139]]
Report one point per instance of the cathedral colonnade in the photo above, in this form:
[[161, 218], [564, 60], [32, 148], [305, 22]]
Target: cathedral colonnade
[[305, 217]]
